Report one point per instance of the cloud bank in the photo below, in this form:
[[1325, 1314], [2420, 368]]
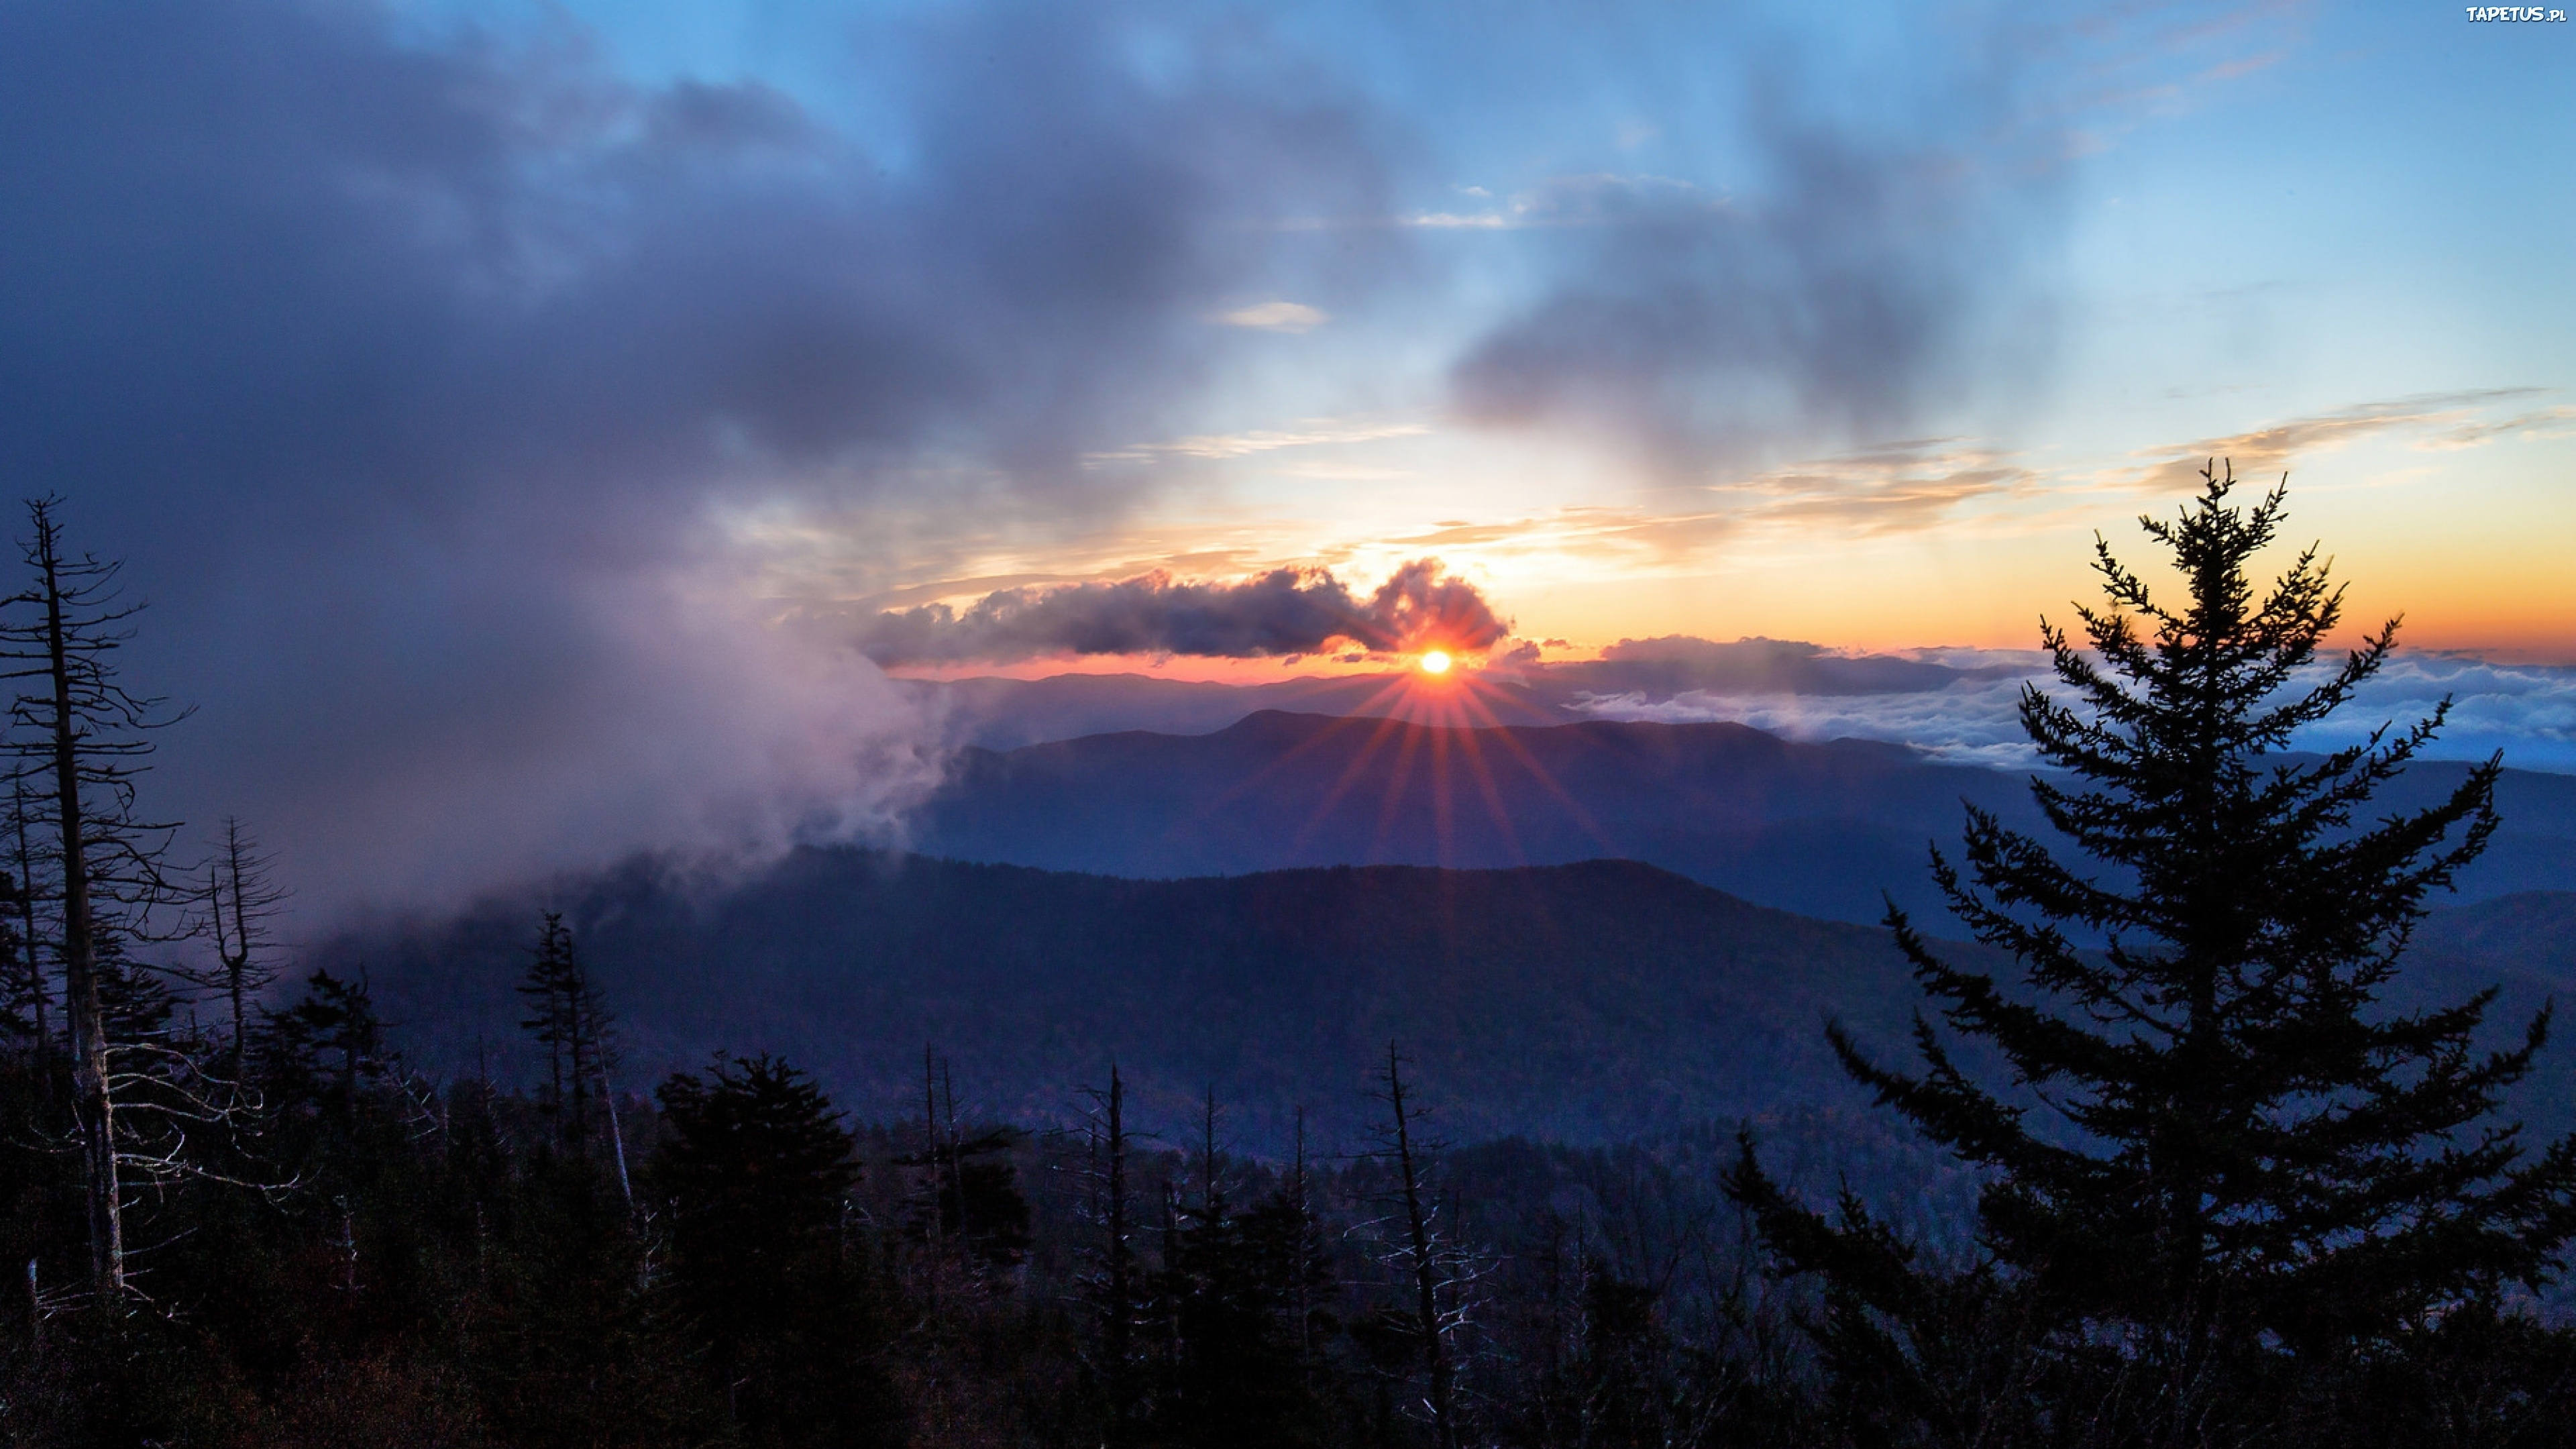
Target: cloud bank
[[411, 368], [1835, 297], [1284, 612], [1972, 716]]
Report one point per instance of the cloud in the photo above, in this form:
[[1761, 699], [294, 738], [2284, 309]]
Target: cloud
[[1676, 664], [1897, 487], [415, 371], [1972, 715], [2441, 421], [1275, 317], [1866, 280], [2527, 711], [1886, 488], [1286, 611], [1969, 723], [1880, 241], [1312, 433]]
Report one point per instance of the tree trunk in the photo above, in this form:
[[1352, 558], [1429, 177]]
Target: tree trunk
[[25, 887], [1116, 1348], [616, 1140], [1426, 1276], [90, 1100]]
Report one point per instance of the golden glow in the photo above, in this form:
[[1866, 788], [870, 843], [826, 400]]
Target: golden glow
[[1435, 662]]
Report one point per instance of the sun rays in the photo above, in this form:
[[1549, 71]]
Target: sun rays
[[1430, 737]]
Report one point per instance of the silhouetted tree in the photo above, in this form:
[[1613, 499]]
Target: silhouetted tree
[[242, 901], [81, 738], [325, 1049], [2222, 1156], [1237, 1294], [756, 1168], [568, 1014], [1432, 1266], [1113, 1283]]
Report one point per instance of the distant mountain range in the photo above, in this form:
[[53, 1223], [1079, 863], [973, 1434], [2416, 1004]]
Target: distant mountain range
[[1820, 829], [1586, 1003], [1589, 1002], [1003, 714]]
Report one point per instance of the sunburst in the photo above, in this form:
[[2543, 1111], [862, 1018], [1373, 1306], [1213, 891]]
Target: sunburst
[[1459, 708]]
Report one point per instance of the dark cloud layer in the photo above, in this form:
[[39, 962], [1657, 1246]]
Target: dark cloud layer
[[406, 372], [1675, 664], [1284, 612]]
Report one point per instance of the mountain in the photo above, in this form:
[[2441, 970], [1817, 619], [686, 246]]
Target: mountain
[[2527, 938], [2523, 945], [1006, 714], [1586, 1003], [1821, 829]]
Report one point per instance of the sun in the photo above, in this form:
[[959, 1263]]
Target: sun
[[1435, 661]]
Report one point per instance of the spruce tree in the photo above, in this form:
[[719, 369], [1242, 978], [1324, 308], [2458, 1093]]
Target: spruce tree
[[569, 1017], [756, 1170], [2221, 1151], [548, 988]]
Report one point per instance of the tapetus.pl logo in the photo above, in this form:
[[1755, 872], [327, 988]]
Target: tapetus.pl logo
[[2514, 15]]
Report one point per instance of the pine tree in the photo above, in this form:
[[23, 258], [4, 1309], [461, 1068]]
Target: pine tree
[[568, 1016], [1238, 1292], [757, 1170], [2221, 1152], [325, 1049], [549, 1005]]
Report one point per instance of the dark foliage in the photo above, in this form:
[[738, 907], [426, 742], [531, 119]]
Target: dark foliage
[[756, 1169]]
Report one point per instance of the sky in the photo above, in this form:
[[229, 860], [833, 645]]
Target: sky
[[536, 428]]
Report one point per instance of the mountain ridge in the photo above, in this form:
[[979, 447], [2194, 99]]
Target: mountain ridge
[[1829, 829], [1589, 1003]]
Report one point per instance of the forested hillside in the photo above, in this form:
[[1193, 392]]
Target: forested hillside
[[1585, 1003], [1588, 1003]]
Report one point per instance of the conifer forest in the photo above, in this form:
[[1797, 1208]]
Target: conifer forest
[[2208, 1183]]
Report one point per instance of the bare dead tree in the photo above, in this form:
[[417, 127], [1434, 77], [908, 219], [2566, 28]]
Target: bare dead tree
[[81, 738], [1111, 1280], [1302, 1256], [932, 1154], [1211, 1195], [1436, 1270], [148, 1105], [605, 1062], [241, 902], [29, 991]]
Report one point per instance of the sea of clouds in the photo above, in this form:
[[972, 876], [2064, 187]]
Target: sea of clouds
[[2527, 712]]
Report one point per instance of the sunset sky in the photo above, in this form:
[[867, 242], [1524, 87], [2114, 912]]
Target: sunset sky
[[1845, 323], [521, 415]]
